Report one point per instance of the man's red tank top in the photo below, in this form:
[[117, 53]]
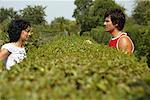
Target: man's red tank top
[[114, 41]]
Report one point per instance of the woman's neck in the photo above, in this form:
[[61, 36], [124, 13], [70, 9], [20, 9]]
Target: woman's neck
[[19, 44]]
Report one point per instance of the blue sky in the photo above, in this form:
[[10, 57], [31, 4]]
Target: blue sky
[[56, 8]]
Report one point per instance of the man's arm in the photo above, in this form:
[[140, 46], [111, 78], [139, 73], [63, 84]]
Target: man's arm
[[125, 44]]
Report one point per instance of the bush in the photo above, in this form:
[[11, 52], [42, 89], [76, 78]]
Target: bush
[[72, 68], [100, 35], [141, 38], [3, 32]]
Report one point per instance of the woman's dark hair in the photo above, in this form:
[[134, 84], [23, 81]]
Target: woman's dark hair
[[117, 17], [15, 28]]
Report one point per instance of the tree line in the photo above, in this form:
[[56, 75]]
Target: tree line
[[89, 13], [34, 14]]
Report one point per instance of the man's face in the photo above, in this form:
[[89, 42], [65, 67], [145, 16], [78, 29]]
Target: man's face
[[108, 25]]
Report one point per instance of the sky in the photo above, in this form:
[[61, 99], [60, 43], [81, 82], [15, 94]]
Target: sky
[[57, 8]]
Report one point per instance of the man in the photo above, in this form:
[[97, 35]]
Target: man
[[114, 21]]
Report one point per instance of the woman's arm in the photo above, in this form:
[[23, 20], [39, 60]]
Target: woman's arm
[[4, 53]]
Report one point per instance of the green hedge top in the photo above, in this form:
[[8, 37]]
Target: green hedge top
[[75, 68]]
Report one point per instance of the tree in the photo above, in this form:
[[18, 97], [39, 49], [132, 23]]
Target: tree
[[13, 14], [8, 13], [81, 14], [141, 13], [34, 14], [60, 24], [89, 13], [82, 8], [65, 26]]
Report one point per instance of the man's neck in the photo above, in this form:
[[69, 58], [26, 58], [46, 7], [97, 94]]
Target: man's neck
[[115, 33]]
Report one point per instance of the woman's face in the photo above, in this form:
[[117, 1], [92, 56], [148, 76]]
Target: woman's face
[[109, 27], [25, 34]]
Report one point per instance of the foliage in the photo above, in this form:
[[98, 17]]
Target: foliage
[[3, 32], [72, 68], [60, 23], [99, 35], [82, 7], [141, 13], [34, 14], [140, 35], [64, 26], [7, 13], [81, 14]]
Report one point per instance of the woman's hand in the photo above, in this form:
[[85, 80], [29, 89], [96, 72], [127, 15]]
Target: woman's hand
[[4, 53]]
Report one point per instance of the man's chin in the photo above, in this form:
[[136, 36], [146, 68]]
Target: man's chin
[[106, 30]]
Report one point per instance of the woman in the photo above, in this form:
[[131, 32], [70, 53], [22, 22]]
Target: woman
[[14, 51]]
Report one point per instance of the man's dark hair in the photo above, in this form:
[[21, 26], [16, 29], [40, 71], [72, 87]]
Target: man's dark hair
[[117, 17], [15, 28]]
